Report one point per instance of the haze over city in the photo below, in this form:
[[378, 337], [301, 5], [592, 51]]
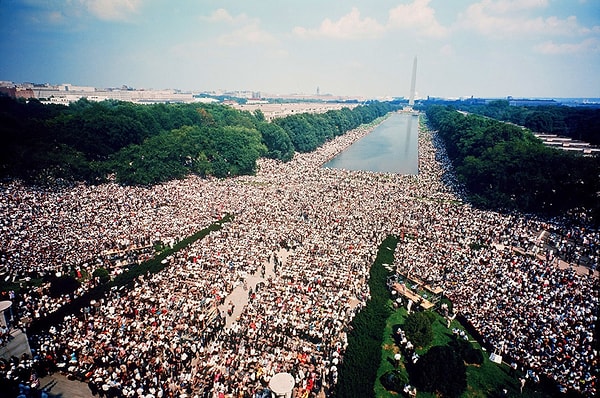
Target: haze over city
[[487, 48]]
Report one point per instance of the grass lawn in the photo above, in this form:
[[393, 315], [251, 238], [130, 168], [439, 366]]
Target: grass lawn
[[485, 380]]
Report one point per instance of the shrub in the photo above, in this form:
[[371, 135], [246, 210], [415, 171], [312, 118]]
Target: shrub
[[102, 274], [394, 380], [442, 371], [466, 351], [63, 285], [418, 329], [473, 356], [358, 375]]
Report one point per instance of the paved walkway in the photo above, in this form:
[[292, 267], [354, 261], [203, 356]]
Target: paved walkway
[[58, 386], [239, 295], [17, 346], [579, 269]]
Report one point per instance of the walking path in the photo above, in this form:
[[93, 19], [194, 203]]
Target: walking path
[[239, 296], [59, 386], [579, 269]]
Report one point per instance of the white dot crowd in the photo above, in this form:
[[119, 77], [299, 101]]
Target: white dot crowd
[[166, 336]]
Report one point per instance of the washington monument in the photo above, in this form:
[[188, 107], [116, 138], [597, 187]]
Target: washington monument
[[413, 82]]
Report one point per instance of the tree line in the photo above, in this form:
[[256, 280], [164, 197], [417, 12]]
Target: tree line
[[504, 166], [580, 123], [148, 144]]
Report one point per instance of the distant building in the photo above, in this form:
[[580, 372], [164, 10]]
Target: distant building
[[205, 100], [9, 91], [70, 87], [66, 93], [24, 93], [531, 102], [17, 92], [257, 101]]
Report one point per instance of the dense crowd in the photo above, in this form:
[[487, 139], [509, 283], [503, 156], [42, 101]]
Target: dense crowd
[[527, 308], [53, 232], [504, 277], [170, 335]]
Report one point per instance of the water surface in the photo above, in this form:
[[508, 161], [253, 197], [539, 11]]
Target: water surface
[[392, 147]]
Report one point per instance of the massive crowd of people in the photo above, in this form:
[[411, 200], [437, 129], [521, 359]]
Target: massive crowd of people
[[525, 306], [168, 335]]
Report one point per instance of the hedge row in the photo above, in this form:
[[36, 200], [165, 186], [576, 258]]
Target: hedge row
[[359, 368]]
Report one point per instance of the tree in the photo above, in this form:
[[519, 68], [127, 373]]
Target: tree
[[504, 167], [102, 274], [466, 351], [239, 147], [539, 121], [147, 144], [63, 285], [278, 143], [302, 134], [418, 329], [440, 370], [259, 116]]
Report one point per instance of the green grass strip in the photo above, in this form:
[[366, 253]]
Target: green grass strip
[[359, 369]]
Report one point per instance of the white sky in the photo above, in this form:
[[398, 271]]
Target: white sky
[[485, 48]]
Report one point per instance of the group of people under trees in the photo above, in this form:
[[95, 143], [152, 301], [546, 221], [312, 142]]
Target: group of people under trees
[[170, 334]]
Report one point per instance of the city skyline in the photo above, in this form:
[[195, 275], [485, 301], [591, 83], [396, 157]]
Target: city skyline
[[527, 48]]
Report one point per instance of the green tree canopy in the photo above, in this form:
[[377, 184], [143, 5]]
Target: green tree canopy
[[441, 370], [148, 144], [278, 142], [418, 329], [505, 167]]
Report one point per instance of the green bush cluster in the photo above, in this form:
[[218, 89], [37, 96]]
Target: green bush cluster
[[102, 274], [440, 370], [418, 328]]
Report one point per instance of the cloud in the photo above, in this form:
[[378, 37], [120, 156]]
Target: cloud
[[349, 26], [447, 50], [417, 16], [243, 30], [113, 10], [508, 6], [504, 18], [594, 30], [222, 15], [248, 34], [55, 17], [591, 45]]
